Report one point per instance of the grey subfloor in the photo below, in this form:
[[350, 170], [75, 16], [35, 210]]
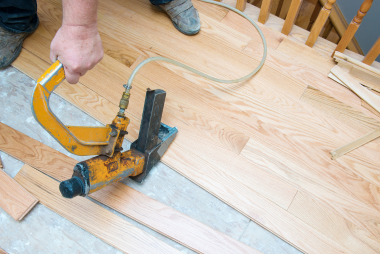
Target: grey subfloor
[[43, 231]]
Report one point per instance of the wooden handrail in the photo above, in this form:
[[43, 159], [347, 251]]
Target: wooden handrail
[[294, 9], [373, 53], [353, 27], [319, 23]]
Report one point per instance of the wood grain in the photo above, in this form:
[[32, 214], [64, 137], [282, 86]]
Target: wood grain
[[362, 92], [123, 198], [91, 217], [14, 199], [281, 193], [355, 144], [289, 139]]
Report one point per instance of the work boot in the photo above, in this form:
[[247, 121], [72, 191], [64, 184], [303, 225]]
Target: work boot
[[183, 15], [10, 46]]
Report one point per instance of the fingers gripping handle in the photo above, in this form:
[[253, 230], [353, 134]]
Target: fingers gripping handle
[[52, 77]]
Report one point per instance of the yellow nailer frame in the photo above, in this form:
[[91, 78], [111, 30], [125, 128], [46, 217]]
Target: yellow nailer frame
[[79, 140]]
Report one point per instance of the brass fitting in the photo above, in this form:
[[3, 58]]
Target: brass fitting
[[123, 105]]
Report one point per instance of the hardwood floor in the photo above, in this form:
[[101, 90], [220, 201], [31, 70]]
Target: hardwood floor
[[262, 146]]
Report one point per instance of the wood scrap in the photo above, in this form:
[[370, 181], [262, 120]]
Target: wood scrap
[[3, 251], [373, 100], [355, 144], [365, 74], [122, 198], [14, 199], [91, 217]]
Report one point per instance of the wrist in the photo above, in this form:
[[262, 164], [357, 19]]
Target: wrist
[[80, 31]]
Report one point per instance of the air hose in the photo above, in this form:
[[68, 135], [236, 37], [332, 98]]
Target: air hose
[[128, 86]]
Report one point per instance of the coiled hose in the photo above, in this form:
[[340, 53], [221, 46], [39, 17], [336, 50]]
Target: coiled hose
[[160, 58]]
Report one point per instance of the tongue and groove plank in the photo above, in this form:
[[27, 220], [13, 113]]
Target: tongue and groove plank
[[14, 199], [91, 217], [122, 198], [259, 180], [155, 52], [59, 166], [202, 122]]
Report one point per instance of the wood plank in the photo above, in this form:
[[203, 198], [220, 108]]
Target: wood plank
[[355, 144], [291, 17], [333, 225], [14, 199], [91, 217], [3, 251], [339, 110], [123, 198], [362, 92], [60, 167], [319, 23], [280, 193]]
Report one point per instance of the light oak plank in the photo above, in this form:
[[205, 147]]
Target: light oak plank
[[261, 181], [60, 167], [362, 92], [14, 199], [124, 199], [91, 217], [339, 110], [355, 144], [333, 225]]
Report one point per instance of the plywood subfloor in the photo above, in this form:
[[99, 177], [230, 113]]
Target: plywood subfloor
[[261, 146]]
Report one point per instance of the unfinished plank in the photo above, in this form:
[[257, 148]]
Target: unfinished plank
[[3, 251], [356, 62], [60, 166], [319, 217], [14, 199], [355, 144], [362, 92], [339, 110], [280, 193], [91, 217], [291, 16], [123, 198], [319, 23]]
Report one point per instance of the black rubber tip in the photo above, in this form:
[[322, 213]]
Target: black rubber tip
[[71, 188]]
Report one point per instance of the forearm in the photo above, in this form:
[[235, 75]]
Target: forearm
[[79, 12]]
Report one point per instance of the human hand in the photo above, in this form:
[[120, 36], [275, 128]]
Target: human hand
[[78, 48]]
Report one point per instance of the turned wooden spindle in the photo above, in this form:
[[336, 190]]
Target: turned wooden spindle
[[372, 53], [353, 27], [320, 22]]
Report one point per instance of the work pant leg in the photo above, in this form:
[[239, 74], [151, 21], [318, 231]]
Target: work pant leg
[[159, 2], [19, 16]]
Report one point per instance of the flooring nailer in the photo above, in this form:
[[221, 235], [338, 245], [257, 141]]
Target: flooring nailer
[[111, 164]]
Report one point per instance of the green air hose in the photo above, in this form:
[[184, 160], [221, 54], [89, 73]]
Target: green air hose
[[160, 58]]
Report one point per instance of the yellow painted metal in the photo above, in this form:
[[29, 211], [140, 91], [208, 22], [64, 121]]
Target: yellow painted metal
[[77, 140], [105, 170]]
